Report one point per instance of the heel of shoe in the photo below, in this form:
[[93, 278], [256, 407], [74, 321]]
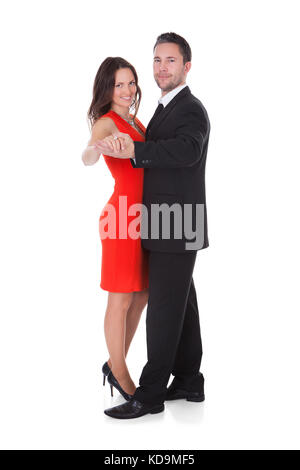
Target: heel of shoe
[[111, 390], [195, 398], [157, 409], [104, 377], [114, 383]]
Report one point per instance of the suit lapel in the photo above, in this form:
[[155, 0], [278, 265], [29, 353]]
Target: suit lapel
[[155, 115], [155, 122]]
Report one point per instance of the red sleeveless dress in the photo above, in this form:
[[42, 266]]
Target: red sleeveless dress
[[124, 266]]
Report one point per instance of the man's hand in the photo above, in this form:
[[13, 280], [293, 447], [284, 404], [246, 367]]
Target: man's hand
[[118, 145]]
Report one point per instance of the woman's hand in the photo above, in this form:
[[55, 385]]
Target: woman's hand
[[116, 145], [112, 142]]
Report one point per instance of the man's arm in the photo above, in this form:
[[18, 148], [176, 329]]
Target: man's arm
[[184, 150]]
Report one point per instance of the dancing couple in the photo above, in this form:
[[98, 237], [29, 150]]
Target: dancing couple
[[162, 166]]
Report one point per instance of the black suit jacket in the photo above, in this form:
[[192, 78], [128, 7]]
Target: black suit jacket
[[174, 157]]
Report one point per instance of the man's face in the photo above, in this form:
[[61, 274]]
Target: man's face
[[168, 67]]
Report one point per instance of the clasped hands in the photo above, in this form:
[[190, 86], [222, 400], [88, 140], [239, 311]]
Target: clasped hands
[[118, 145]]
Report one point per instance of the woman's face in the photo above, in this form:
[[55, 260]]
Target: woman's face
[[124, 89]]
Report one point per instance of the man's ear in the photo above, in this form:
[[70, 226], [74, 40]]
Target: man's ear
[[187, 66]]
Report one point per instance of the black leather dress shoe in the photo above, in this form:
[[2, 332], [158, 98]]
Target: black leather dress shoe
[[178, 390], [177, 394], [133, 409]]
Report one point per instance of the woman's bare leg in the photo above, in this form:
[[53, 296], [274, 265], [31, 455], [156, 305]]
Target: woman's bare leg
[[117, 350], [115, 330], [133, 317]]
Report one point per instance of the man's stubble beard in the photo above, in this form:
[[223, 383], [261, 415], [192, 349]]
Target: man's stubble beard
[[170, 86]]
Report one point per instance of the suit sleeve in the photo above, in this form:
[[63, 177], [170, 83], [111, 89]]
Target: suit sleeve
[[184, 150]]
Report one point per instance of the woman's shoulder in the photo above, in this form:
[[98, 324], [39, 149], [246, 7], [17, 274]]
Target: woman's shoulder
[[103, 127], [105, 122]]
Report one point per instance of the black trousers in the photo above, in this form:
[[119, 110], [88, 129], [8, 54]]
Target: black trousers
[[172, 324]]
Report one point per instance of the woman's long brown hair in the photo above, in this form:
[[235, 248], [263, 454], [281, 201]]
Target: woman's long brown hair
[[104, 86]]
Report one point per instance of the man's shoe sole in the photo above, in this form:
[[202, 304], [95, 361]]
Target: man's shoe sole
[[158, 409], [198, 399], [187, 397]]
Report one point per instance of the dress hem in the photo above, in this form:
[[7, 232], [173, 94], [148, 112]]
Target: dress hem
[[122, 291]]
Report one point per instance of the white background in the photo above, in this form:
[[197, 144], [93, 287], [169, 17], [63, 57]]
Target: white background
[[245, 70]]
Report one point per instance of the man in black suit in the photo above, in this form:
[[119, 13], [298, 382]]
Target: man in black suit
[[174, 157]]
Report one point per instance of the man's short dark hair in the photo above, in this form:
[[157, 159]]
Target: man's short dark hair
[[180, 41]]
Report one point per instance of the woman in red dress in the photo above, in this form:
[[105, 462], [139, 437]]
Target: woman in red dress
[[124, 270]]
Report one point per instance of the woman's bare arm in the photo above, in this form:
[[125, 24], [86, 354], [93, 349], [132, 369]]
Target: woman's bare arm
[[101, 129]]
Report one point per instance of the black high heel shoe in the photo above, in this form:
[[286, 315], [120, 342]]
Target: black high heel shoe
[[105, 371], [114, 383]]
